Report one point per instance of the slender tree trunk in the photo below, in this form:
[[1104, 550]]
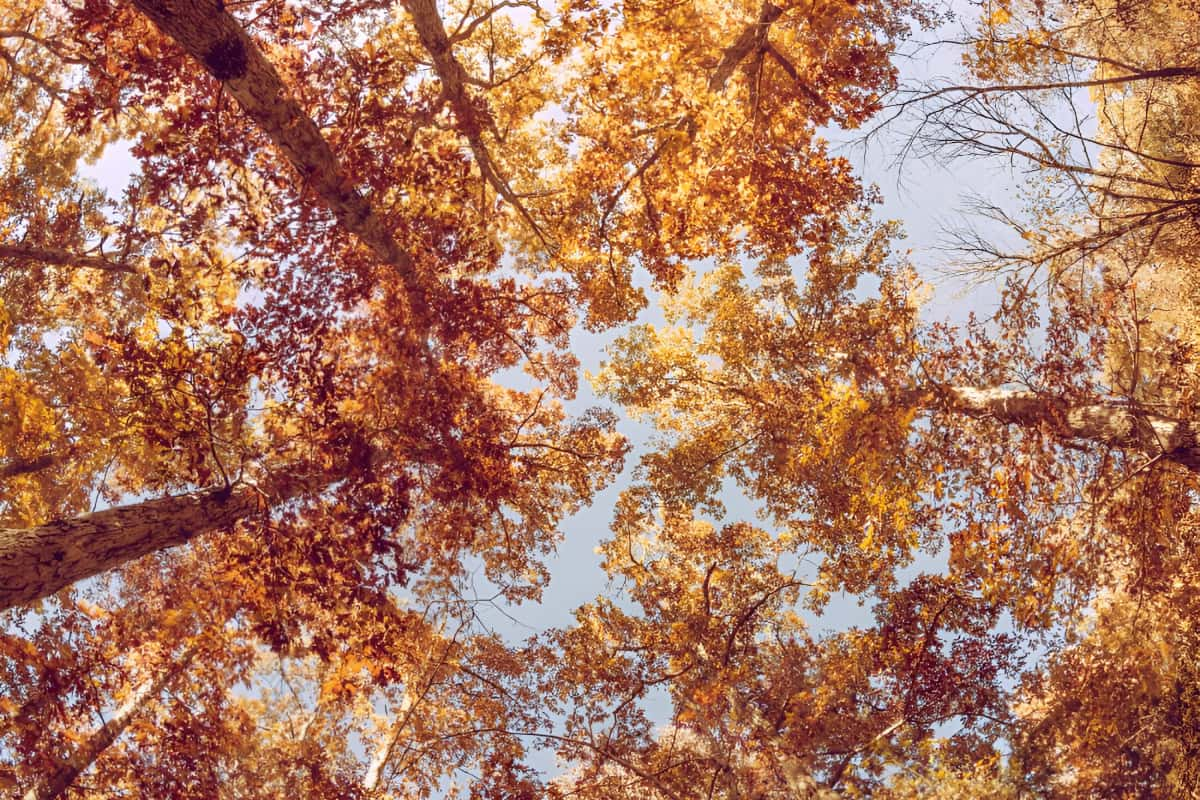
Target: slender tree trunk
[[211, 35], [383, 754], [60, 779], [1115, 424], [471, 123]]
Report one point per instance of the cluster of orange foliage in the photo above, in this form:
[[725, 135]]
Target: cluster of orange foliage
[[314, 366]]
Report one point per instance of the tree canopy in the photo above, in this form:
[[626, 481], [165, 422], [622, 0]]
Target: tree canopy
[[289, 420]]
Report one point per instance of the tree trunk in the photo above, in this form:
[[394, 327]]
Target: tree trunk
[[432, 32], [37, 562], [1115, 424], [211, 35], [62, 258], [383, 754], [61, 778], [753, 39], [28, 466]]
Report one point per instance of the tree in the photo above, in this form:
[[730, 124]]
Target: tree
[[1092, 97], [1113, 219], [1113, 715], [857, 430], [844, 418], [63, 775]]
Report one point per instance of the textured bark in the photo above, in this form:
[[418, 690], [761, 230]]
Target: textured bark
[[37, 562], [62, 258], [28, 466], [1115, 424], [212, 36], [60, 779]]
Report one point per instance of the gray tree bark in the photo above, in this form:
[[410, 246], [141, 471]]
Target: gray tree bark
[[1122, 425]]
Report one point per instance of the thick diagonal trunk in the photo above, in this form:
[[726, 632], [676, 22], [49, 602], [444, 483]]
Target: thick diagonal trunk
[[1115, 424], [62, 258], [61, 778], [37, 562], [27, 466], [211, 35]]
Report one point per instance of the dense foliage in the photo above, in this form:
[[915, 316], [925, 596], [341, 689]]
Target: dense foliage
[[274, 414]]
